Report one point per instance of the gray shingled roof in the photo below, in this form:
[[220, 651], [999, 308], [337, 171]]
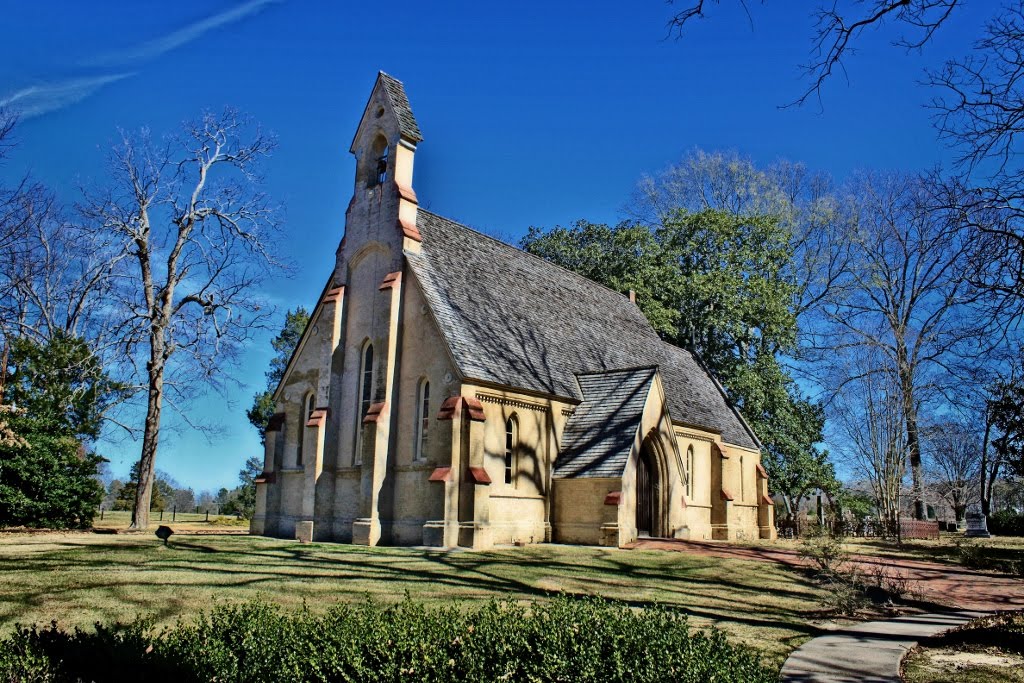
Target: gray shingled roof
[[515, 319], [599, 436], [400, 103]]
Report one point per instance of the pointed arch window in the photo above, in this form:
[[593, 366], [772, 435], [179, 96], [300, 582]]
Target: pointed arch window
[[364, 398], [511, 444], [375, 167], [422, 419], [689, 472], [305, 412]]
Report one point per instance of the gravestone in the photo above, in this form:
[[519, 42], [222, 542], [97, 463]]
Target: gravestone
[[976, 525], [304, 532]]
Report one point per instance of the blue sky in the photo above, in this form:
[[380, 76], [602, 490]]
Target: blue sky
[[532, 114]]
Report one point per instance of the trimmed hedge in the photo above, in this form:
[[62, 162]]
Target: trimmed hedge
[[564, 639]]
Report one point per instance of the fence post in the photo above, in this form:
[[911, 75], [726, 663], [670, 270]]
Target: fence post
[[101, 513], [174, 513], [207, 514], [161, 515]]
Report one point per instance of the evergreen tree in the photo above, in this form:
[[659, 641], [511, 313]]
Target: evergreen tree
[[284, 345]]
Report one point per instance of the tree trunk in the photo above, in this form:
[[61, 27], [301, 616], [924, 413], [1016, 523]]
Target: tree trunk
[[986, 489], [913, 437], [151, 433]]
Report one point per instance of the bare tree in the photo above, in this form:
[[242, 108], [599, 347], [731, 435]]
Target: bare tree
[[954, 450], [906, 296], [870, 423], [189, 231], [840, 24]]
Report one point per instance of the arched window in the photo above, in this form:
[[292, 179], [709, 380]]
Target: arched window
[[511, 443], [689, 472], [364, 398], [304, 414], [422, 419], [376, 166]]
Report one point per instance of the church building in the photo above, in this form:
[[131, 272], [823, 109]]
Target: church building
[[453, 390]]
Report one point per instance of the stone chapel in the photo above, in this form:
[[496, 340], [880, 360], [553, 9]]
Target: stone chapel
[[453, 390]]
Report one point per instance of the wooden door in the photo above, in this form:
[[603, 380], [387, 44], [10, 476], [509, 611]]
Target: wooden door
[[644, 495]]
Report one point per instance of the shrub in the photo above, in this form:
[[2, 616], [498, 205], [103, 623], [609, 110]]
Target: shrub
[[824, 551], [565, 639], [1006, 523]]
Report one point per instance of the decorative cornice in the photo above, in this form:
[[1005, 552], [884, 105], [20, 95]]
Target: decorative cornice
[[568, 412], [513, 402], [694, 437]]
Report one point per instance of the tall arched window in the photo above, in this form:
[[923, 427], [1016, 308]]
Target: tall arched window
[[511, 443], [364, 398], [689, 472], [422, 419], [304, 414]]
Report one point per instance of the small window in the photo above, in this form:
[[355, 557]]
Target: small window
[[511, 442], [689, 472], [364, 398], [423, 420], [304, 414], [382, 167]]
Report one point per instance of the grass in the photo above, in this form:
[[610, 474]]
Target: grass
[[183, 521], [80, 578], [988, 650]]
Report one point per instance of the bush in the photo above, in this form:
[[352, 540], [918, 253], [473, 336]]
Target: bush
[[1006, 523], [562, 640]]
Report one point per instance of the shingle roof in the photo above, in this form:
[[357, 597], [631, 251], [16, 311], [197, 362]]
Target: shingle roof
[[599, 436], [514, 319], [400, 103]]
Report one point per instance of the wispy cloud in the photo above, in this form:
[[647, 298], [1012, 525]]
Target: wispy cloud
[[44, 97], [36, 100], [162, 44]]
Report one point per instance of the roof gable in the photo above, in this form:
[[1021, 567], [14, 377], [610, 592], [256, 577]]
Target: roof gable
[[600, 435]]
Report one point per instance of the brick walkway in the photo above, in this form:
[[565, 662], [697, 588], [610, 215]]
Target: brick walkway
[[939, 584]]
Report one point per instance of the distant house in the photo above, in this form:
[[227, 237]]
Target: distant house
[[452, 390]]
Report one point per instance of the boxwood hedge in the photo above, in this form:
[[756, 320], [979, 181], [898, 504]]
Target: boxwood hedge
[[565, 639]]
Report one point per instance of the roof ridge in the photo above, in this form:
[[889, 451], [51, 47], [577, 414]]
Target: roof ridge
[[534, 256]]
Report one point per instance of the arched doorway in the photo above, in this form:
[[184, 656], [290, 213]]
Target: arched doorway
[[648, 493]]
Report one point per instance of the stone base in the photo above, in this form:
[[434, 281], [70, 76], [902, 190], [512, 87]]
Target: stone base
[[258, 526], [721, 532], [366, 531], [433, 534], [610, 536], [475, 535], [767, 533], [682, 533], [304, 532]]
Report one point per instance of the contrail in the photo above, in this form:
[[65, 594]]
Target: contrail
[[41, 98], [159, 46], [36, 100]]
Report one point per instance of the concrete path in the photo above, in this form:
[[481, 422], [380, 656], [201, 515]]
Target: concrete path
[[866, 653]]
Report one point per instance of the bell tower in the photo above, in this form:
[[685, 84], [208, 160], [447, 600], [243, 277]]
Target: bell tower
[[383, 206]]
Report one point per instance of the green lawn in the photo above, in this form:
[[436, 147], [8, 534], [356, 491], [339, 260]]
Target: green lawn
[[186, 521], [79, 578]]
